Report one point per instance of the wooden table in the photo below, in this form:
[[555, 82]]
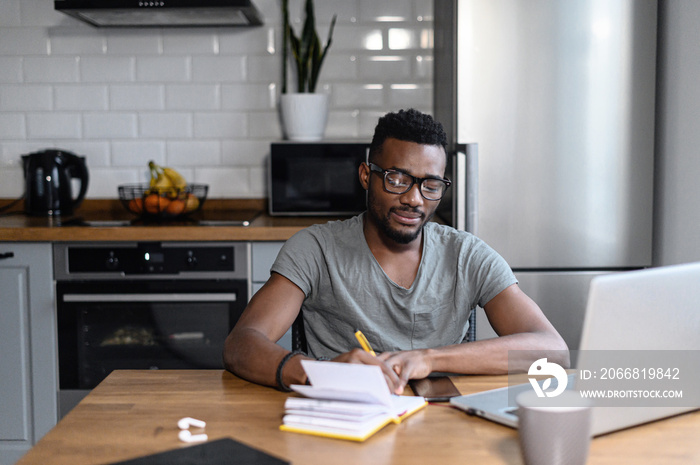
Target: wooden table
[[134, 413]]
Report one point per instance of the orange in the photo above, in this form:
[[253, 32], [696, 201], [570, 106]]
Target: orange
[[175, 207], [155, 204], [136, 205]]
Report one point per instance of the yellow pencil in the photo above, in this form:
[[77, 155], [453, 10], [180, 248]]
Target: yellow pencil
[[364, 342]]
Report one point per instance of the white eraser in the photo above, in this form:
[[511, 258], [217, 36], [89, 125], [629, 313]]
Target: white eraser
[[186, 436], [187, 422]]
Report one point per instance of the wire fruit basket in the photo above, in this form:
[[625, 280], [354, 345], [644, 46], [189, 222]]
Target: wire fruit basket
[[162, 204]]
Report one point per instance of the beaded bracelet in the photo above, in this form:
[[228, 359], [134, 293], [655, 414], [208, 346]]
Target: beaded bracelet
[[280, 384]]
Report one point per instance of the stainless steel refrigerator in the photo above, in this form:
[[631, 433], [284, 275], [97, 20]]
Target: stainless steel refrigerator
[[550, 104]]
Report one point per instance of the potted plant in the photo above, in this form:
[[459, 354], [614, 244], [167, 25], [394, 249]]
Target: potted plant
[[304, 112]]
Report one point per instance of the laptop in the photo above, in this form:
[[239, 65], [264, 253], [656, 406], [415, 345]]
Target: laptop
[[646, 310]]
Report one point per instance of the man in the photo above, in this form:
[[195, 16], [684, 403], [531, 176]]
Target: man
[[407, 283]]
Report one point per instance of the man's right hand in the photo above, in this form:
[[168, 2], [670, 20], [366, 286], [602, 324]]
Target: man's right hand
[[360, 356]]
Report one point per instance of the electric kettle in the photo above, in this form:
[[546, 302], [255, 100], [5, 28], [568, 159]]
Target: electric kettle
[[47, 176]]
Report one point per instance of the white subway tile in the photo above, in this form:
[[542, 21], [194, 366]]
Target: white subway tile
[[368, 121], [247, 97], [193, 152], [51, 69], [80, 97], [10, 13], [11, 151], [196, 41], [265, 125], [104, 182], [53, 126], [358, 95], [107, 69], [342, 125], [166, 124], [220, 125], [264, 68], [395, 11], [192, 97], [10, 69], [12, 182], [402, 38], [339, 67], [134, 42], [96, 153], [163, 69], [110, 125], [12, 126], [423, 68], [245, 152], [383, 66], [219, 69], [39, 13], [347, 11], [224, 181], [23, 41], [423, 10], [26, 97], [357, 38], [136, 97], [248, 41], [271, 10], [257, 177], [137, 152], [76, 41], [410, 95]]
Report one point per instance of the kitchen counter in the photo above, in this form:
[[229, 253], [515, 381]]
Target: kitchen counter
[[105, 216]]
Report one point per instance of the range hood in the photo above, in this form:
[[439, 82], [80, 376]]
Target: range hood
[[162, 13]]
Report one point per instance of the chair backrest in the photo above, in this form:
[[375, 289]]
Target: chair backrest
[[299, 336]]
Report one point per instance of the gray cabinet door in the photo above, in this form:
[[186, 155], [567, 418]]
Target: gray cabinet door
[[28, 377]]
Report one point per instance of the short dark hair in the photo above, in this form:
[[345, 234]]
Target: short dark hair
[[407, 125]]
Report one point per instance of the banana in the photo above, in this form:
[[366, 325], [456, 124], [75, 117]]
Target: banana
[[164, 178], [176, 178]]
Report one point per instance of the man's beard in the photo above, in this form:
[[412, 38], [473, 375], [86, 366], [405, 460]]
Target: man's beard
[[384, 224]]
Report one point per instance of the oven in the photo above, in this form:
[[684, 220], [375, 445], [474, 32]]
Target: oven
[[144, 305]]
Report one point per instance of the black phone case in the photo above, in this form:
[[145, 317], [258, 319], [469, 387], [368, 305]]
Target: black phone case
[[436, 389]]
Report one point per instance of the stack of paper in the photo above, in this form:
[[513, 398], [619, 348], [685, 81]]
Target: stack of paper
[[345, 401]]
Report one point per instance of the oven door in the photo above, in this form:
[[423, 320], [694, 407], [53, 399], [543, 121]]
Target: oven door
[[147, 324]]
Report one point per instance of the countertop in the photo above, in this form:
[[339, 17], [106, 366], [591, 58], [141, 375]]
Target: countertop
[[16, 226]]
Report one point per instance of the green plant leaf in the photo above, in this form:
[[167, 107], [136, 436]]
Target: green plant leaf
[[306, 48]]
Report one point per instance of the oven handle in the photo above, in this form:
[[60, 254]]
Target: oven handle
[[222, 297]]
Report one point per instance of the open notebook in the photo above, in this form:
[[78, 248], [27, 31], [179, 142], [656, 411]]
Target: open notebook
[[345, 401]]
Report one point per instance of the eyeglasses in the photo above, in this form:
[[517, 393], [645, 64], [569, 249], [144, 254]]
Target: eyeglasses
[[397, 182]]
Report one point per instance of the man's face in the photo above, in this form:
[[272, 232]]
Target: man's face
[[401, 217]]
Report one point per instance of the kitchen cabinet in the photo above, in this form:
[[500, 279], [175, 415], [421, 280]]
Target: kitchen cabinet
[[263, 255], [28, 377]]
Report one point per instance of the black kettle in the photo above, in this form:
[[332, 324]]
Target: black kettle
[[47, 177]]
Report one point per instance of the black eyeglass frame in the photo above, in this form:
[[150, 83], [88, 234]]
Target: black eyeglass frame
[[414, 180]]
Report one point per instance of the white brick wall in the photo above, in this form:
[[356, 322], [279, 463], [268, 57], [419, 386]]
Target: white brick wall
[[201, 100]]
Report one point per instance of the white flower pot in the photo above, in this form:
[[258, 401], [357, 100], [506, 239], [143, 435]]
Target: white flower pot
[[304, 116]]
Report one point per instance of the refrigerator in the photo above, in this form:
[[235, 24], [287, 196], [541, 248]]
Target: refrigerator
[[549, 106]]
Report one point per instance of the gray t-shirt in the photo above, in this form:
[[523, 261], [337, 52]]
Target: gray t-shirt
[[346, 289]]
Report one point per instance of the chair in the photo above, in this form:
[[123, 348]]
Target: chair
[[299, 336]]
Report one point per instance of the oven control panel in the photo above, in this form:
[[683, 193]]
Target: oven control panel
[[149, 259]]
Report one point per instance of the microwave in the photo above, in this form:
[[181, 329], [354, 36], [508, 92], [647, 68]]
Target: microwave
[[316, 178]]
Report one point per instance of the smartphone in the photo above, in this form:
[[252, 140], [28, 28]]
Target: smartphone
[[434, 389]]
